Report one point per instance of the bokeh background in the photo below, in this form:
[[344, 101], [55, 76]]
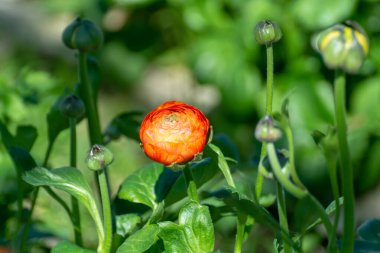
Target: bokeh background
[[200, 52]]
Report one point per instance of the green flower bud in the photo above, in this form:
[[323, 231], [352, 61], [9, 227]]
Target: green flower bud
[[343, 47], [266, 131], [267, 32], [99, 157], [72, 107], [83, 35]]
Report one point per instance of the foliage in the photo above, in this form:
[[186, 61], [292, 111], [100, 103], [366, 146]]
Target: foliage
[[204, 53]]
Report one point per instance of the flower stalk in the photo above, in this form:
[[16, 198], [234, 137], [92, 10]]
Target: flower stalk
[[346, 173], [190, 184], [74, 201]]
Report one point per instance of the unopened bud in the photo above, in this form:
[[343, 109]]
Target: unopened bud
[[267, 32], [72, 107], [343, 46], [83, 35], [99, 157], [266, 131]]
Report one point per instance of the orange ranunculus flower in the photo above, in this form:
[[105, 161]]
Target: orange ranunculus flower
[[174, 133]]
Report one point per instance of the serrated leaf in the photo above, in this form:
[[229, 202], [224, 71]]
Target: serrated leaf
[[127, 223], [370, 230], [193, 234], [70, 180], [65, 246], [140, 186], [127, 124], [140, 241]]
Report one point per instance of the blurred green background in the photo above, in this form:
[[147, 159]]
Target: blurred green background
[[200, 52]]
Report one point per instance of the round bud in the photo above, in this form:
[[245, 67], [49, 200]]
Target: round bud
[[72, 107], [266, 131], [267, 32], [83, 35], [343, 46], [99, 157]]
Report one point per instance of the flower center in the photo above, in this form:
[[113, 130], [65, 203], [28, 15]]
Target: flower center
[[172, 118]]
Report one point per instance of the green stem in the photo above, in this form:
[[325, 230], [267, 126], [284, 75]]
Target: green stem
[[268, 111], [346, 173], [74, 201], [286, 183], [25, 232], [322, 213], [107, 214], [240, 229], [281, 206], [293, 172], [190, 183], [20, 197], [88, 97], [335, 189]]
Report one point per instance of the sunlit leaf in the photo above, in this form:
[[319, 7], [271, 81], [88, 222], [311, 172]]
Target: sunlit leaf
[[140, 241], [140, 186], [193, 234], [127, 223], [65, 246], [70, 180]]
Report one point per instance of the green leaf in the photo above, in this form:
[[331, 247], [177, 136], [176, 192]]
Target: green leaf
[[366, 246], [24, 138], [23, 160], [330, 209], [202, 172], [127, 124], [55, 120], [70, 180], [140, 241], [127, 223], [133, 2], [174, 237], [370, 230], [140, 186], [198, 226], [65, 246], [194, 233], [223, 165], [260, 214], [18, 147]]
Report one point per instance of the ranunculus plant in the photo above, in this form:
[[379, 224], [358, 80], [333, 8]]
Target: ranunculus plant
[[174, 203]]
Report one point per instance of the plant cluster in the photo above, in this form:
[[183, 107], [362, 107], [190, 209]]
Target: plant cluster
[[166, 206]]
